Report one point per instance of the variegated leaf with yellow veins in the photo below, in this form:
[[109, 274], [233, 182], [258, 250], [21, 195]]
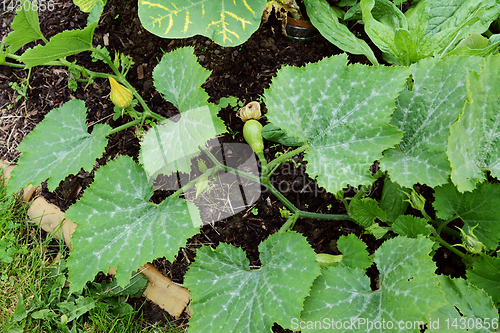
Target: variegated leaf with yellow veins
[[94, 7], [87, 5], [226, 22]]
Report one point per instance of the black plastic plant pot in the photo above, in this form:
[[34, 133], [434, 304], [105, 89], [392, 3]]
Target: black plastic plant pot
[[302, 31]]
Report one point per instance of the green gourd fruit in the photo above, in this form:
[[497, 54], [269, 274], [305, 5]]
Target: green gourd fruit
[[252, 132]]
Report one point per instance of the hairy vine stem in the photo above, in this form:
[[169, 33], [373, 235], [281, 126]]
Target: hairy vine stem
[[222, 167], [444, 225], [450, 247], [117, 76]]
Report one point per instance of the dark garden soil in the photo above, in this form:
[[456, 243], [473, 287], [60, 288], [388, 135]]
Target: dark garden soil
[[243, 72]]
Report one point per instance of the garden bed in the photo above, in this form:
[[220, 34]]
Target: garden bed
[[244, 72]]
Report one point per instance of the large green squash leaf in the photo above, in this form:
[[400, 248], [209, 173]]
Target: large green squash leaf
[[425, 114], [227, 296], [119, 227], [484, 274], [479, 209], [408, 291], [474, 145], [25, 26], [63, 44], [226, 22], [466, 311], [179, 77], [341, 113], [169, 146], [58, 146]]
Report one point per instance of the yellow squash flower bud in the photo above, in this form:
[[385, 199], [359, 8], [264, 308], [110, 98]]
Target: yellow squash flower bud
[[250, 111], [120, 95]]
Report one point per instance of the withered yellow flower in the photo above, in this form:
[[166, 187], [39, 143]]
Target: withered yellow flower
[[120, 95], [250, 111]]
